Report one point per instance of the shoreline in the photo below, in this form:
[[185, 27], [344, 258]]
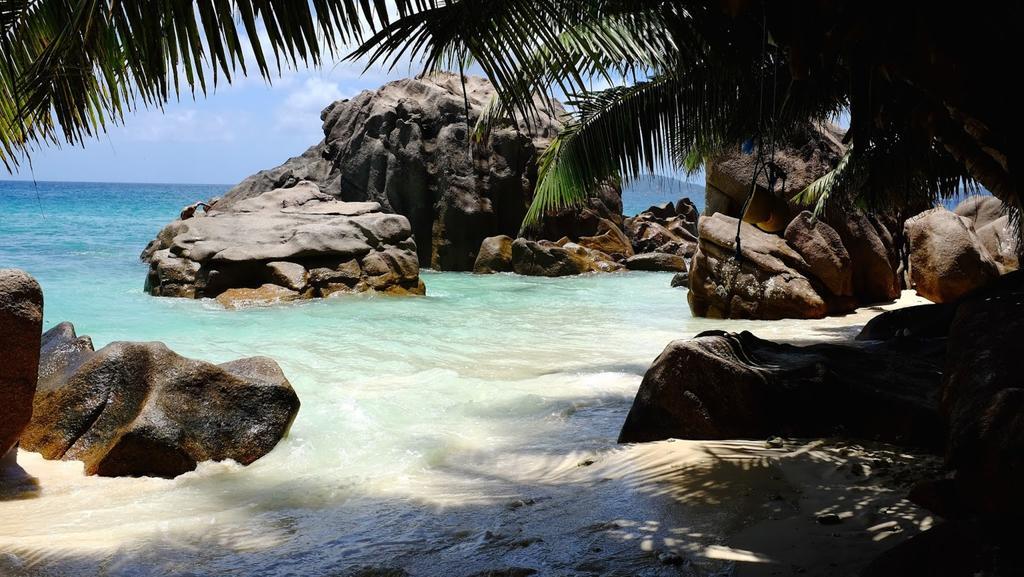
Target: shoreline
[[710, 507]]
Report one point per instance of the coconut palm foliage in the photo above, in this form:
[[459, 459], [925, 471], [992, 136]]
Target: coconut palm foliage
[[926, 87], [71, 67]]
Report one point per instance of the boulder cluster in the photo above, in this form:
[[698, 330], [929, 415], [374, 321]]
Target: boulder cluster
[[128, 409], [661, 238], [281, 245], [792, 265], [407, 146], [938, 376], [811, 270]]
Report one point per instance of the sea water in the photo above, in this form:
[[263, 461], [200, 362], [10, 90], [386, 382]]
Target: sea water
[[445, 435]]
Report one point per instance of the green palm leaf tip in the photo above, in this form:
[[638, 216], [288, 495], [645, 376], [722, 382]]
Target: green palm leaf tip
[[821, 190], [68, 68]]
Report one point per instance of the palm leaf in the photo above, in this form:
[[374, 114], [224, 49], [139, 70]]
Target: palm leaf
[[71, 67]]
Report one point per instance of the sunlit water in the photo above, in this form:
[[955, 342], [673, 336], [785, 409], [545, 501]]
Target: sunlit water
[[446, 435]]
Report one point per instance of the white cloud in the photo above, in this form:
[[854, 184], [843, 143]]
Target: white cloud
[[301, 108], [185, 125]]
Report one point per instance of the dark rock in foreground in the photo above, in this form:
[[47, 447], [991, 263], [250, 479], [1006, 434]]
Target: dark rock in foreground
[[727, 386], [21, 319], [139, 409], [282, 245]]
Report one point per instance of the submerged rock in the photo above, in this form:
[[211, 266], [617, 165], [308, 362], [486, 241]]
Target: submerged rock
[[139, 409], [656, 261], [495, 255], [680, 279], [21, 320], [285, 244], [546, 258], [736, 386]]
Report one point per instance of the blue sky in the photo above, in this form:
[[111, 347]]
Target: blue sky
[[218, 139]]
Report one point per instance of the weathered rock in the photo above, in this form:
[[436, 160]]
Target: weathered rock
[[609, 239], [668, 228], [820, 246], [918, 322], [267, 294], [656, 261], [681, 279], [543, 258], [289, 275], [874, 258], [406, 145], [947, 260], [278, 239], [495, 255], [604, 204], [727, 386], [992, 225], [770, 281], [139, 409], [983, 397], [21, 321], [810, 152]]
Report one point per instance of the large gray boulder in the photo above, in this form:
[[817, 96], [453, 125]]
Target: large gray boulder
[[495, 255], [727, 386], [406, 146], [139, 409], [284, 244], [771, 280], [947, 259], [810, 152], [823, 251], [21, 321], [995, 232], [874, 256]]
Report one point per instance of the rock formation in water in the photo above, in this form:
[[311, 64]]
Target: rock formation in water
[[407, 147], [21, 320], [285, 244], [139, 409], [658, 239]]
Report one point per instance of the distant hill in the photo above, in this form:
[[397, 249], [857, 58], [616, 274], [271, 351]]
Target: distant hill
[[650, 190]]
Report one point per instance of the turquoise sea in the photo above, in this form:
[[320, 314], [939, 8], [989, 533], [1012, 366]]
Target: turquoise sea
[[445, 435]]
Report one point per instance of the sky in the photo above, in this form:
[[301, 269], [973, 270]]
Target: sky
[[217, 139]]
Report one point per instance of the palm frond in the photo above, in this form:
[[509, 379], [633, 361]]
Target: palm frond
[[639, 129], [69, 68], [819, 192]]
